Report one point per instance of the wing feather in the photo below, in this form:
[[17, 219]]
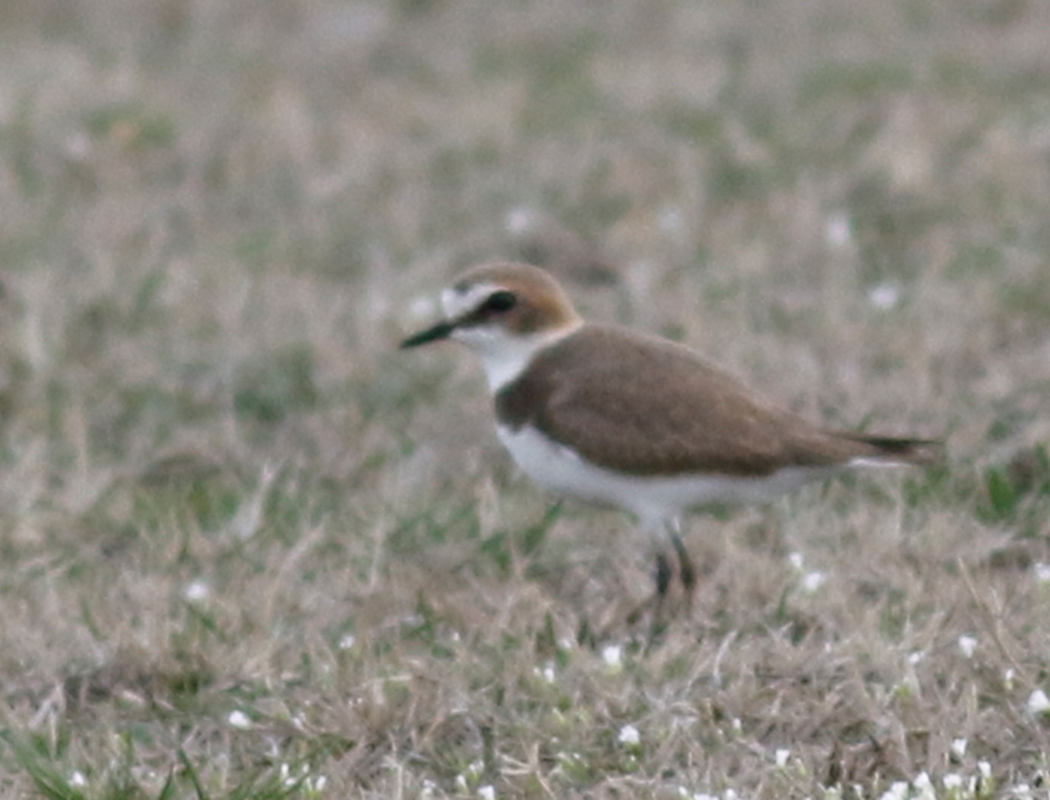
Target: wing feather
[[642, 404], [684, 416]]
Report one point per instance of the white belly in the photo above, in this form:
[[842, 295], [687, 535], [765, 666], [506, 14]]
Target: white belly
[[654, 500]]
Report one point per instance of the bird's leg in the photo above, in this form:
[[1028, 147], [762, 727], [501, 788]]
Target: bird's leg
[[662, 576], [686, 569], [663, 582]]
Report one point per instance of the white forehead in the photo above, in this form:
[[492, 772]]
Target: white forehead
[[456, 303]]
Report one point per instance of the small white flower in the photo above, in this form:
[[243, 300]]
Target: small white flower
[[548, 672], [487, 792], [953, 780], [924, 787], [670, 218], [796, 560], [967, 645], [898, 791], [197, 592], [629, 735], [985, 769], [422, 307], [78, 146], [916, 657], [839, 230], [240, 720], [318, 784], [884, 296], [287, 778], [520, 220], [781, 757], [612, 655], [813, 581], [77, 779], [1038, 702], [347, 642], [1042, 572], [959, 747]]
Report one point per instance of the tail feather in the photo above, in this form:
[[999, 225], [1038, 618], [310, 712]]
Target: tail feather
[[890, 449]]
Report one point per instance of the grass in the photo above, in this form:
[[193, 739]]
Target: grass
[[249, 550]]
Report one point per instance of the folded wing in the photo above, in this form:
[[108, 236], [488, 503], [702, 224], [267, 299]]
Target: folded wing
[[684, 416]]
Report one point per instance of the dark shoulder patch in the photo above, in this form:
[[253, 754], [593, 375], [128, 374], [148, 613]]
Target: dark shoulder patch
[[524, 401], [519, 402]]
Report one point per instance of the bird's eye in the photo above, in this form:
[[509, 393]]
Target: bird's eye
[[501, 301]]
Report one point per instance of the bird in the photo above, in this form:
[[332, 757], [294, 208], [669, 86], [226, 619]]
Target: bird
[[617, 417]]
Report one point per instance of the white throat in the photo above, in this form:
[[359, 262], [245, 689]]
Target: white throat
[[505, 356]]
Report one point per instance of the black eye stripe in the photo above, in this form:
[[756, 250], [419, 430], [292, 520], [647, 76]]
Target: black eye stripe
[[500, 301]]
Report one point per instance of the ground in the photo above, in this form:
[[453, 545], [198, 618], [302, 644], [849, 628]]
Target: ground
[[250, 550]]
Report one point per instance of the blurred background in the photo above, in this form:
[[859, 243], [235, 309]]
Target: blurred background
[[218, 218]]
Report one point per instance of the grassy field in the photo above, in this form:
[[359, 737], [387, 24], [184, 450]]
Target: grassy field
[[250, 550]]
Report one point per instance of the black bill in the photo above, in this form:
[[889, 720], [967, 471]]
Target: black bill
[[434, 334]]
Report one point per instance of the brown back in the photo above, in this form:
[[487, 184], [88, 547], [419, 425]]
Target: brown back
[[698, 419]]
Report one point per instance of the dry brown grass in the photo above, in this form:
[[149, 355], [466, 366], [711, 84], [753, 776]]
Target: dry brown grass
[[243, 537]]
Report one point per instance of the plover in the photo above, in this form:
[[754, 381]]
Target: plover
[[609, 415]]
